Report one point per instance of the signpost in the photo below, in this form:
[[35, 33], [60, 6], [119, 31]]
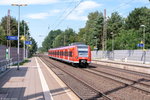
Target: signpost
[[12, 37], [7, 56], [28, 42], [140, 45]]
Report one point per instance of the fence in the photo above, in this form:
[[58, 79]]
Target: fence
[[4, 63], [123, 55]]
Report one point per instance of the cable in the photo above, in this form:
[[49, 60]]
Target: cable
[[68, 14], [144, 6], [59, 17], [124, 4]]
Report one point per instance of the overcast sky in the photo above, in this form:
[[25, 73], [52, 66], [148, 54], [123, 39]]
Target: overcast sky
[[46, 15]]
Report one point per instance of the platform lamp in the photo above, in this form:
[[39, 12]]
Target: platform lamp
[[143, 26], [18, 29]]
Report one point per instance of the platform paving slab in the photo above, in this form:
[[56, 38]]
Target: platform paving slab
[[26, 83]]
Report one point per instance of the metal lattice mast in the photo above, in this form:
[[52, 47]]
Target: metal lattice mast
[[8, 33], [104, 43]]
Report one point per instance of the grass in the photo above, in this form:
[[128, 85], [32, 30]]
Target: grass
[[23, 62]]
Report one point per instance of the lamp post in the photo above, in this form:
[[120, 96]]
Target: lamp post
[[96, 41], [112, 43], [24, 46], [144, 52], [96, 49], [18, 29], [143, 26], [28, 38]]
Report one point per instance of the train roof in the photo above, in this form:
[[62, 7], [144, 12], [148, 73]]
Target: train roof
[[65, 47]]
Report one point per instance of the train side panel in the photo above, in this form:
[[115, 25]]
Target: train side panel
[[72, 54]]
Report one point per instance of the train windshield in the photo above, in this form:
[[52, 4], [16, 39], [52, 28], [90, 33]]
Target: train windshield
[[83, 51]]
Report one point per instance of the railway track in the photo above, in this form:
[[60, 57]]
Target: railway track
[[88, 92], [121, 70], [128, 82], [105, 85]]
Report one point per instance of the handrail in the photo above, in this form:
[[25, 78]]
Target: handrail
[[4, 64]]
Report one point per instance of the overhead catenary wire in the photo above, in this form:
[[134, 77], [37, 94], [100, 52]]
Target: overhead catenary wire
[[127, 12], [120, 6], [68, 14], [63, 13]]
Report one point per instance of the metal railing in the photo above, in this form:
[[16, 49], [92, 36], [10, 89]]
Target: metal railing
[[5, 64]]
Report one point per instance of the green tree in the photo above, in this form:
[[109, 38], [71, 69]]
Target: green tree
[[33, 47], [2, 36], [138, 17], [69, 36], [126, 39], [58, 41], [92, 30], [48, 41], [13, 28], [22, 25], [114, 24]]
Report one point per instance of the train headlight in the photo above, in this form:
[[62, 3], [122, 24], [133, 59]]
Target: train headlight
[[76, 57]]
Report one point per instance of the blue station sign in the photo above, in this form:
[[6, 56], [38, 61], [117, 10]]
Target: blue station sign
[[28, 42], [140, 45], [12, 37]]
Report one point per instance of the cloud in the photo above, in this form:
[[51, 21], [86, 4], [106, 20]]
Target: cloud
[[30, 2], [87, 5], [55, 11], [123, 6], [79, 11], [77, 17], [142, 1], [38, 16], [43, 15]]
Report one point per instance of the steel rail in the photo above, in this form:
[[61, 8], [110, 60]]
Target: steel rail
[[100, 94]]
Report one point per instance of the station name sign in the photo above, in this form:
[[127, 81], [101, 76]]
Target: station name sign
[[12, 37]]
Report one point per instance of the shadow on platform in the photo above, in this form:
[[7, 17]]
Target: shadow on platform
[[10, 77]]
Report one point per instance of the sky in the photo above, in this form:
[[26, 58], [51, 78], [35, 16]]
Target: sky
[[43, 16]]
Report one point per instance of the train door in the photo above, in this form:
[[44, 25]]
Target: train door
[[64, 54], [71, 54]]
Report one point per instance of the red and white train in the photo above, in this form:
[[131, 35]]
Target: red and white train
[[77, 54]]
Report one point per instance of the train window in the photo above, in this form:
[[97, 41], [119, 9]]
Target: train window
[[70, 54], [83, 51], [82, 46], [65, 53]]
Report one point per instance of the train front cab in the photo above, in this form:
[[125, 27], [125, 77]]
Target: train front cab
[[82, 55]]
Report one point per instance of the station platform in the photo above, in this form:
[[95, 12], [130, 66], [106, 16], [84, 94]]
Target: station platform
[[33, 81], [133, 66]]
